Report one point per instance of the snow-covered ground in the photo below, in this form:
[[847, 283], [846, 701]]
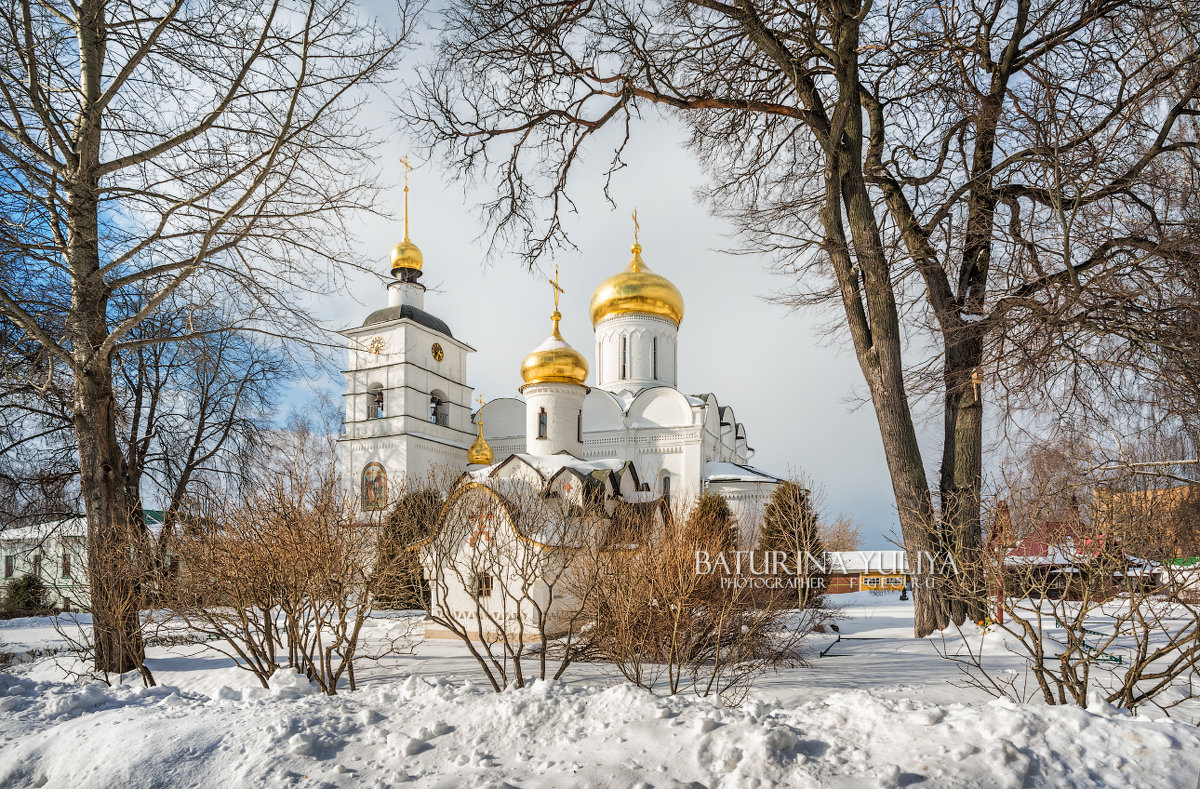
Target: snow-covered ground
[[880, 712]]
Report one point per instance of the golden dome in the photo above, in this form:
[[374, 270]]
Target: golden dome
[[637, 289], [406, 255], [554, 361], [480, 453]]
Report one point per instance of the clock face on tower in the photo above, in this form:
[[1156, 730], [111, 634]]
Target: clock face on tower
[[375, 346], [438, 353]]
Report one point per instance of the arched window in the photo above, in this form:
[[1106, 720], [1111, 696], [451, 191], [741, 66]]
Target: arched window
[[375, 409], [579, 427], [542, 419], [654, 358], [666, 489], [624, 357], [439, 409], [374, 487]]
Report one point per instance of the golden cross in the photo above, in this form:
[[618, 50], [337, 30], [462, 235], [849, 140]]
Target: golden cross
[[636, 227], [407, 167], [557, 288]]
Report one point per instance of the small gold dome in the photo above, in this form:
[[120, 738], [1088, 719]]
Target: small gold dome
[[480, 454], [406, 255], [554, 361], [637, 289]]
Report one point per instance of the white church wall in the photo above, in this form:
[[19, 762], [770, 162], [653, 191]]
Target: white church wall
[[660, 406], [503, 418], [601, 412], [562, 405], [645, 336]]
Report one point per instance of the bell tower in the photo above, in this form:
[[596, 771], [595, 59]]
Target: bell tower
[[408, 406]]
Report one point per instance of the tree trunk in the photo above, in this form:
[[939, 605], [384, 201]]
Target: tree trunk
[[961, 532], [113, 525], [869, 299]]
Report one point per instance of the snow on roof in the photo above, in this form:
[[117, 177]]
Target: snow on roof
[[867, 561], [40, 532], [549, 464], [72, 527], [717, 471]]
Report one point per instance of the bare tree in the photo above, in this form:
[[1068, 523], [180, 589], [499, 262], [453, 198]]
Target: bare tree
[[288, 573], [930, 168], [145, 148]]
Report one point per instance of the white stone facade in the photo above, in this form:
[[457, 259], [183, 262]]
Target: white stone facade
[[635, 351], [553, 418]]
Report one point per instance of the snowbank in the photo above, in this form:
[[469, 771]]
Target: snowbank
[[439, 734]]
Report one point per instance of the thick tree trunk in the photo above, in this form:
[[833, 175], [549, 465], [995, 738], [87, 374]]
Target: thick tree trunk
[[114, 527], [961, 533]]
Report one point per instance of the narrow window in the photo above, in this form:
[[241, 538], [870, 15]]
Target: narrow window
[[542, 423], [10, 566], [483, 585], [37, 565], [579, 428], [666, 489], [66, 564], [624, 358], [654, 358], [439, 408]]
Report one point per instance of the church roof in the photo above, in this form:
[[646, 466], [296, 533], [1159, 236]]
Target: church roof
[[716, 471], [409, 312]]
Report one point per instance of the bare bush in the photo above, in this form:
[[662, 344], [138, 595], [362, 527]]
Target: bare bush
[[667, 625], [1087, 588], [288, 576]]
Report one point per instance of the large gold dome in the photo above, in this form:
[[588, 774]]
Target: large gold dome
[[406, 255], [637, 289], [554, 361]]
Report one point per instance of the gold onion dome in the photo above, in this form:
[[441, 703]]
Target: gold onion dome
[[637, 289], [406, 255], [480, 453], [554, 361]]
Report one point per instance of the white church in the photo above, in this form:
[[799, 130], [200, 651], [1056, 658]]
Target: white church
[[409, 403]]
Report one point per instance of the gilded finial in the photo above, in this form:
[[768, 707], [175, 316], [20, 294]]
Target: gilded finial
[[556, 316], [480, 454], [406, 256], [407, 167], [637, 246]]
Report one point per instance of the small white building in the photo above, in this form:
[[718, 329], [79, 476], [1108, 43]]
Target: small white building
[[55, 552]]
